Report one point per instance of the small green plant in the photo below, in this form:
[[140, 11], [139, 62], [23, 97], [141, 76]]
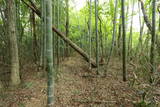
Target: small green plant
[[145, 104], [141, 104], [147, 98], [3, 95], [76, 92], [28, 85], [21, 105]]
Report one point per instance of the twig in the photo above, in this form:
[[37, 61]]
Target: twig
[[92, 101]]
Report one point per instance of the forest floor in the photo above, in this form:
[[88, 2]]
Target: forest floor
[[76, 86]]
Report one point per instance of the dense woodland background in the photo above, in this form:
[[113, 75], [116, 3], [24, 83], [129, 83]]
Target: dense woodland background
[[106, 53]]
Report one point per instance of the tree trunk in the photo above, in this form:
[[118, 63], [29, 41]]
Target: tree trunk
[[146, 19], [54, 34], [141, 28], [130, 34], [119, 36], [49, 54], [67, 26], [101, 36], [11, 19], [97, 36], [153, 40], [124, 39], [34, 40], [42, 33], [57, 37], [90, 33], [43, 36]]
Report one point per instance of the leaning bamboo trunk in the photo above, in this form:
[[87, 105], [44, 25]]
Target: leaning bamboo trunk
[[74, 46], [67, 40]]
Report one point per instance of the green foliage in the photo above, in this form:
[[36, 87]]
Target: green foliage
[[147, 98], [4, 95], [21, 105], [145, 104], [28, 85], [142, 104]]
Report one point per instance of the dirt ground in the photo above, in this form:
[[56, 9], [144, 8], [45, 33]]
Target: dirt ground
[[76, 86]]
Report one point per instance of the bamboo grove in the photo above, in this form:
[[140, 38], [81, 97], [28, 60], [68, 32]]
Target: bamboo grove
[[42, 33]]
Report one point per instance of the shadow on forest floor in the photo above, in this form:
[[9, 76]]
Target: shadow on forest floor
[[76, 86]]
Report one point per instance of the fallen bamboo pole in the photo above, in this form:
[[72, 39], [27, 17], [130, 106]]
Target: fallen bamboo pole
[[67, 40]]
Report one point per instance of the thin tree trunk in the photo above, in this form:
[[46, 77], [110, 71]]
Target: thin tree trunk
[[11, 19], [119, 37], [157, 38], [124, 40], [57, 39], [67, 26], [159, 23], [90, 33], [126, 15], [54, 34], [34, 37], [97, 36], [141, 27], [49, 54], [130, 35], [42, 34], [101, 36], [146, 19], [140, 37], [152, 55]]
